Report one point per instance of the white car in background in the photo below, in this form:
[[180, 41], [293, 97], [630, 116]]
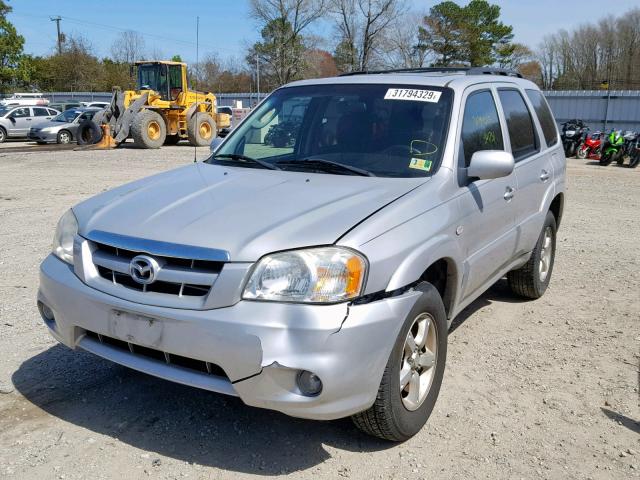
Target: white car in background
[[19, 99], [16, 122]]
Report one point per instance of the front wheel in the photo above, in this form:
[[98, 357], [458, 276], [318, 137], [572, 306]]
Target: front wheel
[[605, 159], [583, 152], [3, 135], [413, 375], [64, 137], [532, 279]]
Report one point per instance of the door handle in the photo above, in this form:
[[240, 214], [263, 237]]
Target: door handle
[[508, 194], [28, 119], [544, 176]]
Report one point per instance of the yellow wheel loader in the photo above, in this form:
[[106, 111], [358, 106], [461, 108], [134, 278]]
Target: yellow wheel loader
[[161, 111]]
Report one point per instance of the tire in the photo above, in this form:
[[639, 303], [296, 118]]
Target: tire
[[605, 159], [635, 160], [148, 129], [172, 139], [529, 281], [89, 133], [390, 418], [583, 152], [64, 137], [201, 129], [620, 158], [3, 135]]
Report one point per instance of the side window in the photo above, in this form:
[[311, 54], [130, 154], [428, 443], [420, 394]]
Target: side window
[[519, 124], [545, 116], [52, 112], [480, 125], [40, 112], [21, 113]]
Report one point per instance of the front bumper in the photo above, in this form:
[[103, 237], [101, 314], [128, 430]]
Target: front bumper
[[41, 136], [261, 346]]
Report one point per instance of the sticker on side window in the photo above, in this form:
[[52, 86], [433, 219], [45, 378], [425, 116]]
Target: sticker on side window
[[412, 95]]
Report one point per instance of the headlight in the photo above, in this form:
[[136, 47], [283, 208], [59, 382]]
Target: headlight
[[314, 275], [63, 239]]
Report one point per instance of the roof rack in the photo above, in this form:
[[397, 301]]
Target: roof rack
[[463, 70]]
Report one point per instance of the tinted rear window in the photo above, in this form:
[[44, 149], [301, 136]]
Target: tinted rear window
[[545, 116], [519, 124]]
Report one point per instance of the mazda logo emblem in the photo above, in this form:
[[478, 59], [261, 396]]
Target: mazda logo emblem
[[143, 269]]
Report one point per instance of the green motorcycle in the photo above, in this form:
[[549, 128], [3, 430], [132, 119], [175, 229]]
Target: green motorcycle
[[612, 149]]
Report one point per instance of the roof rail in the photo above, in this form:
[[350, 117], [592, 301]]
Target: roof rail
[[462, 70]]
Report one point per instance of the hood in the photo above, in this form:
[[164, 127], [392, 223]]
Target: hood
[[247, 212], [51, 124]]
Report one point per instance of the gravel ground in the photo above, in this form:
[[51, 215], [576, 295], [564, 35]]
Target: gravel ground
[[544, 389]]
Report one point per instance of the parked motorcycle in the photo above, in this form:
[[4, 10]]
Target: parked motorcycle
[[613, 150], [591, 146], [572, 136], [632, 148]]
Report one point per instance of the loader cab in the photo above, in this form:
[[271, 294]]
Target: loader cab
[[165, 78]]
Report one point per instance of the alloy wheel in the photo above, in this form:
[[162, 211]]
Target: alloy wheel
[[545, 254], [418, 361]]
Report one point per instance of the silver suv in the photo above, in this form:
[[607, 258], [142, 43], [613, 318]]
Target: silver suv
[[314, 263]]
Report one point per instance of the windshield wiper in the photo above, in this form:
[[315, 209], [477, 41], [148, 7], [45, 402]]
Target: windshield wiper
[[244, 158], [326, 165]]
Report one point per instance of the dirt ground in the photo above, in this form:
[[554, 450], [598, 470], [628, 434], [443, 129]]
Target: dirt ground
[[544, 389]]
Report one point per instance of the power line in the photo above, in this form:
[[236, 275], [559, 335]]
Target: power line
[[78, 21]]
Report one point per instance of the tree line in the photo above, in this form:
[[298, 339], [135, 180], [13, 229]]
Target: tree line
[[362, 35]]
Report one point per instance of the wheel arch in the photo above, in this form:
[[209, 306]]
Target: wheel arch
[[437, 262], [557, 207], [71, 136]]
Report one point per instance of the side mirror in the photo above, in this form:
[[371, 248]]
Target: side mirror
[[487, 164], [215, 143]]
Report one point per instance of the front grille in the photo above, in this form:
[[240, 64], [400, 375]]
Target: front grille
[[165, 357], [179, 277]]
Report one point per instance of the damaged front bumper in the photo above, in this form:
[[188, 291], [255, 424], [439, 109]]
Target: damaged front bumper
[[254, 350]]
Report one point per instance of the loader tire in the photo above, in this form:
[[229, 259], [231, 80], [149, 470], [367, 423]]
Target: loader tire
[[148, 129], [89, 133], [201, 129]]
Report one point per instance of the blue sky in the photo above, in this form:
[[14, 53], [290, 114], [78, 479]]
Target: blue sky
[[225, 26]]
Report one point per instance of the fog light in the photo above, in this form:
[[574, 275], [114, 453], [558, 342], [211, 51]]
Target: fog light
[[309, 383], [46, 312]]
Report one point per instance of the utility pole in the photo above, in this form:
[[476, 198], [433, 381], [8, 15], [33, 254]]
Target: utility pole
[[57, 20], [258, 76]]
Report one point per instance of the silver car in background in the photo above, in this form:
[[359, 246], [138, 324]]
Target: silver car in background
[[314, 263], [63, 128], [15, 122]]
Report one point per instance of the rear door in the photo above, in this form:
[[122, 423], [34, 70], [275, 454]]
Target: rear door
[[534, 166], [41, 115], [487, 227]]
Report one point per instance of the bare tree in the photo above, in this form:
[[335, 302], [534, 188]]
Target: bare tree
[[602, 55], [128, 48], [362, 26], [403, 47]]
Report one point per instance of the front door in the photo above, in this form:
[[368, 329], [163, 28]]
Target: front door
[[21, 121], [487, 207]]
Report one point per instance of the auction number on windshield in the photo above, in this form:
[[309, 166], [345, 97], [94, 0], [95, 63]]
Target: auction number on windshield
[[413, 95]]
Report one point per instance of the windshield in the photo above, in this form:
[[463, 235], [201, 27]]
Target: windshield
[[386, 130], [153, 77], [67, 116]]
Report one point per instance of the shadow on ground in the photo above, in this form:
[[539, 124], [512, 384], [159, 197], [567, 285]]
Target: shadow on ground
[[180, 422], [622, 420], [499, 292], [186, 423]]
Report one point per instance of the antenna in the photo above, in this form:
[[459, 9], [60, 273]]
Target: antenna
[[195, 85]]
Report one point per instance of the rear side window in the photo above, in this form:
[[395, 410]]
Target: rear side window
[[545, 117], [519, 124], [40, 112], [481, 125]]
